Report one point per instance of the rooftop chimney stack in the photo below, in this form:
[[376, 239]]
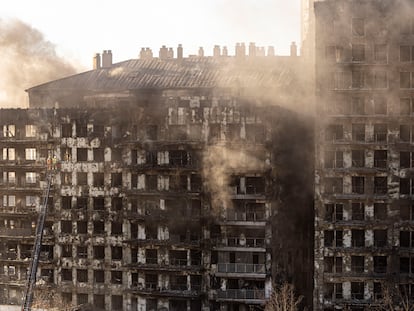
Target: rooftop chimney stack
[[145, 53], [148, 53], [163, 54], [180, 52], [293, 49], [216, 51], [142, 54], [107, 59], [225, 51], [239, 50], [271, 51], [252, 49], [201, 52], [242, 50], [170, 53], [97, 61]]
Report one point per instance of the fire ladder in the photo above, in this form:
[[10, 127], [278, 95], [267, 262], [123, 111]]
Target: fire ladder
[[31, 281]]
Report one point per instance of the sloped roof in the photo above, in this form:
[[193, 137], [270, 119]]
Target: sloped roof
[[193, 72]]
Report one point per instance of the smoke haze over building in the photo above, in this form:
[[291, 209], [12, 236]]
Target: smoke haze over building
[[27, 59]]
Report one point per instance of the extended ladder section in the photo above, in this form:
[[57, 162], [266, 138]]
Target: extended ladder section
[[31, 281]]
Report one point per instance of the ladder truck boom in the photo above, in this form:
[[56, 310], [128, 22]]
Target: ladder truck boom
[[31, 279]]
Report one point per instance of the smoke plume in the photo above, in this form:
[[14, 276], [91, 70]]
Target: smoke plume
[[219, 162], [27, 60]]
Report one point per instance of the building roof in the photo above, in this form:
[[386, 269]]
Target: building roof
[[192, 72]]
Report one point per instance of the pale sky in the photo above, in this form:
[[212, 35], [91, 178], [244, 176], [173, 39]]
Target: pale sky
[[80, 28]]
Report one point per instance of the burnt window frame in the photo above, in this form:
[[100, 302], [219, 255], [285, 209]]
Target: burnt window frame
[[82, 275], [357, 264], [380, 237], [380, 185], [336, 240], [116, 180], [358, 26], [66, 130], [82, 178], [358, 185], [98, 252], [98, 154], [358, 132], [81, 154], [358, 238], [81, 129], [380, 211], [358, 211], [380, 161], [358, 157], [334, 212], [358, 52], [334, 132]]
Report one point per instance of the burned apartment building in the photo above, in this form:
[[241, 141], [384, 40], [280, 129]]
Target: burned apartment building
[[178, 184], [364, 234]]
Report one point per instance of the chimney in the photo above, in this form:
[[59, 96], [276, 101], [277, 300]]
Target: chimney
[[201, 52], [180, 52], [170, 53], [97, 61], [107, 59], [242, 50], [216, 51], [145, 53], [163, 54], [270, 51], [238, 51], [225, 52], [142, 54], [148, 53], [293, 49], [252, 49]]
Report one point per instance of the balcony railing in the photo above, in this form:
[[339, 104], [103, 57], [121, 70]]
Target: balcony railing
[[11, 278], [150, 286], [248, 190], [241, 242], [8, 256], [175, 286], [249, 216], [241, 268], [16, 232], [18, 209], [242, 294], [151, 260], [178, 262]]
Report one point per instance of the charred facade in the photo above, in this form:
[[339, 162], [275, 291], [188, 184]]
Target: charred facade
[[364, 211], [174, 185]]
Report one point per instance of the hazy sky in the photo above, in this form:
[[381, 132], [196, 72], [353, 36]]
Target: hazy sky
[[79, 28]]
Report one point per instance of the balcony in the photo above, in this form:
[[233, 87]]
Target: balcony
[[24, 232], [25, 186], [23, 163], [8, 255], [12, 279], [178, 262], [22, 138], [17, 210], [248, 242], [174, 290], [178, 286], [253, 295], [241, 268], [250, 192], [246, 216]]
